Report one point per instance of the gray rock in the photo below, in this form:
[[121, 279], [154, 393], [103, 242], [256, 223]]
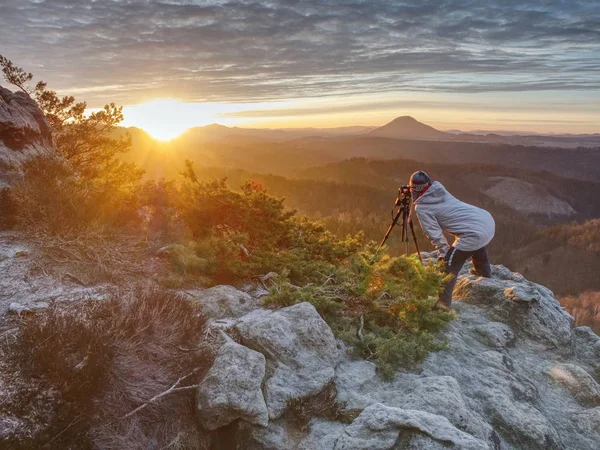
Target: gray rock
[[588, 421], [495, 334], [378, 428], [224, 301], [231, 389], [28, 285], [24, 134], [586, 347], [442, 396], [522, 424], [283, 435], [526, 307], [323, 435], [277, 436], [422, 442], [300, 350], [578, 382]]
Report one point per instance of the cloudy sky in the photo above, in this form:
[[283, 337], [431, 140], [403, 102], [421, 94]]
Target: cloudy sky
[[495, 64]]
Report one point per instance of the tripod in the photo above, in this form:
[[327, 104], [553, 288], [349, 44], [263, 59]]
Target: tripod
[[403, 202]]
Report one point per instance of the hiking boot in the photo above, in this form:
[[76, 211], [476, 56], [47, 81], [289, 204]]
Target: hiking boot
[[441, 306], [477, 274]]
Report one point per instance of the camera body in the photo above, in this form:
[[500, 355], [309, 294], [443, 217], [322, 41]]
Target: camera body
[[403, 195]]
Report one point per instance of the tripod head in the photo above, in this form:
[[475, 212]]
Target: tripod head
[[404, 198], [403, 202]]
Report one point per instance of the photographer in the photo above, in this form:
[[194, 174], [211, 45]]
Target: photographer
[[438, 212]]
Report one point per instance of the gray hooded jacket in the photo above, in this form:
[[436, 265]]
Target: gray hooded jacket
[[439, 211]]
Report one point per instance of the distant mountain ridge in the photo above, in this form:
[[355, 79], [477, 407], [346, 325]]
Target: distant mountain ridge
[[407, 127]]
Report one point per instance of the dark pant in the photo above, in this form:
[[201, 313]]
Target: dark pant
[[455, 259]]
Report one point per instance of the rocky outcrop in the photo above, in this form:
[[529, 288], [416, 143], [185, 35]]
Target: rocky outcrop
[[24, 134], [379, 427], [515, 374], [221, 302], [527, 307], [232, 388], [300, 350], [26, 284]]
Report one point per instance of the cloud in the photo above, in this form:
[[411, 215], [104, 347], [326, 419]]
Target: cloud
[[243, 50]]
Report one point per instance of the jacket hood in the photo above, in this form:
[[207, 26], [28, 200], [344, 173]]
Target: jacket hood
[[436, 193]]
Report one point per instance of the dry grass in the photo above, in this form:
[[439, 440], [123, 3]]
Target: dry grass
[[107, 358], [585, 235], [585, 308], [94, 254], [300, 411]]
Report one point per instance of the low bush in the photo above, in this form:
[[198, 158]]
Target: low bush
[[245, 233], [106, 358], [381, 306]]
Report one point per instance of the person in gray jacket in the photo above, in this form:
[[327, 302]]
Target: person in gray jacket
[[439, 211]]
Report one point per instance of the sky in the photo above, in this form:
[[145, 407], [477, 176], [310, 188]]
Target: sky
[[526, 65]]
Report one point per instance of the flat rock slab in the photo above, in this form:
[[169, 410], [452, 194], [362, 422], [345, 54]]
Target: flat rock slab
[[378, 427]]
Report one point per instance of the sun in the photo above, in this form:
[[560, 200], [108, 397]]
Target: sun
[[166, 119]]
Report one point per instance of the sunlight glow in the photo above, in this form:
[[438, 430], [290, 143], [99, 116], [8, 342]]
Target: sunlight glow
[[166, 119]]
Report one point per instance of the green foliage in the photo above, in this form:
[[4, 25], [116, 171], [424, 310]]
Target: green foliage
[[248, 232], [52, 200], [380, 305]]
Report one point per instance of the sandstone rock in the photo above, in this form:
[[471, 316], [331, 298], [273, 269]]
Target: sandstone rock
[[224, 301], [378, 428], [442, 396], [525, 306], [586, 346], [300, 350], [26, 286], [588, 421], [495, 334], [24, 134], [276, 436], [323, 435], [231, 389], [578, 382], [523, 425]]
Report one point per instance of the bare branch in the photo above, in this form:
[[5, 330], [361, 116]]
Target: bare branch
[[157, 397]]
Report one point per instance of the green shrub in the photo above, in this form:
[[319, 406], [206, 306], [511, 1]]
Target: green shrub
[[247, 233], [379, 305]]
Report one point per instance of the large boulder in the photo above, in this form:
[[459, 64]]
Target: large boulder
[[300, 349], [527, 307], [231, 389], [379, 427], [24, 134], [221, 302]]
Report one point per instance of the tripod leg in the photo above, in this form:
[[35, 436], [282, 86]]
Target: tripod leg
[[412, 229], [405, 229]]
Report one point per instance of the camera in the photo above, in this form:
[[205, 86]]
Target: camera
[[403, 195]]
